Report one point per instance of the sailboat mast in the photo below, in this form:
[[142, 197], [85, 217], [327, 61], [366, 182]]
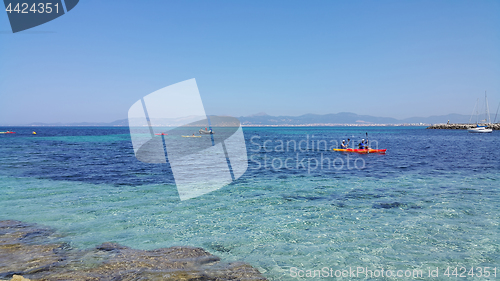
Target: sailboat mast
[[488, 118], [472, 114], [477, 113], [496, 113]]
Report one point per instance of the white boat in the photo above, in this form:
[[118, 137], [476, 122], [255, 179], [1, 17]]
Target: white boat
[[480, 129], [486, 121]]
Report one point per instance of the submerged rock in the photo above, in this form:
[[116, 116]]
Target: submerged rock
[[27, 250], [18, 278]]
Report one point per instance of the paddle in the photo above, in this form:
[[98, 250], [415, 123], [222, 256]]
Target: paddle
[[367, 146]]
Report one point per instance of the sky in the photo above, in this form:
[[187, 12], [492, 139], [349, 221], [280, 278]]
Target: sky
[[384, 58]]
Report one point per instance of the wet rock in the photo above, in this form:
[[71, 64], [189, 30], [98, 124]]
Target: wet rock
[[123, 263], [175, 263], [235, 271], [389, 205], [21, 252], [18, 278], [27, 250], [108, 246]]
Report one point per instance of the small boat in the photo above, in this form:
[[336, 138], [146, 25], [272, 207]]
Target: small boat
[[162, 134], [363, 151], [191, 136], [485, 122], [480, 129], [205, 132], [8, 132]]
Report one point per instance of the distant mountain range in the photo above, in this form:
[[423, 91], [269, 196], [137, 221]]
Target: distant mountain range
[[342, 118], [121, 122]]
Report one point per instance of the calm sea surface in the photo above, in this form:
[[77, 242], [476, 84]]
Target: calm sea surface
[[432, 201]]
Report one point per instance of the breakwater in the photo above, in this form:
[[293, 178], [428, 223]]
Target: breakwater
[[495, 126]]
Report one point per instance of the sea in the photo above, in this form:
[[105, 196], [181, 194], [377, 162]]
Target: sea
[[301, 211]]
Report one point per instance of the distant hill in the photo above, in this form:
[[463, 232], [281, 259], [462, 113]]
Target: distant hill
[[342, 118], [347, 118], [122, 122], [454, 118]]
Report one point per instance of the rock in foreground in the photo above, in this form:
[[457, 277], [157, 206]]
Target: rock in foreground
[[27, 250]]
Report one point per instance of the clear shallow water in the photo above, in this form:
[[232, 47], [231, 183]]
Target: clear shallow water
[[431, 201]]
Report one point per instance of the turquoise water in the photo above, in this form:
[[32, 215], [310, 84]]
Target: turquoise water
[[432, 201]]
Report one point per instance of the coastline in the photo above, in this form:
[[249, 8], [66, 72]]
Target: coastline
[[244, 125]]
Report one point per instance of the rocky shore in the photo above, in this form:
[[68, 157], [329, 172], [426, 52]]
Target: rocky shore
[[29, 251], [495, 126]]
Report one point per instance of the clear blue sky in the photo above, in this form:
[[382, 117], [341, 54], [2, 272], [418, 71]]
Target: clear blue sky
[[384, 58]]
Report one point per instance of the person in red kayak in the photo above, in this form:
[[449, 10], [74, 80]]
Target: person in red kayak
[[361, 145], [344, 145]]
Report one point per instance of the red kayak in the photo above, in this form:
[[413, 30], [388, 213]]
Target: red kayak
[[360, 150], [8, 132]]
